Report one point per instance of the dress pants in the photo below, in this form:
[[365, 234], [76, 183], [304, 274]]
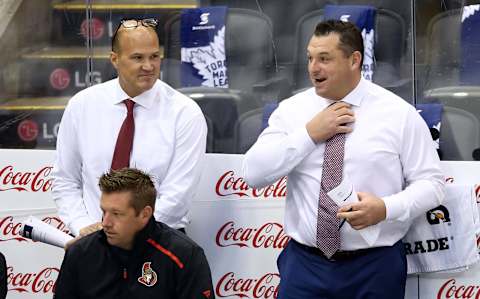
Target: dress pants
[[380, 273]]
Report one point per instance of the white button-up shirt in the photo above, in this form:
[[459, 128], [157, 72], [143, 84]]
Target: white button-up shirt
[[169, 144], [390, 153]]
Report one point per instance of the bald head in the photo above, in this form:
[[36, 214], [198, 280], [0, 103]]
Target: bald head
[[136, 57], [123, 32]]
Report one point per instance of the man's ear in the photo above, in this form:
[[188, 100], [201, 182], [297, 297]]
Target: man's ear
[[146, 213], [114, 59], [356, 60]]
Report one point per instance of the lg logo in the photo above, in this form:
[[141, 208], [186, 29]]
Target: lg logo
[[344, 18], [204, 18]]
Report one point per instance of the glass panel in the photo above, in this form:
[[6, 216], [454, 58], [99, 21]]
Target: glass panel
[[281, 70], [42, 60], [66, 48], [447, 71]]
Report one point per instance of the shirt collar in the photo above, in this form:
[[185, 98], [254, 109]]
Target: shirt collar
[[355, 96], [145, 99]]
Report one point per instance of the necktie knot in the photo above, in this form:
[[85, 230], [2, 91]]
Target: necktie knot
[[129, 103]]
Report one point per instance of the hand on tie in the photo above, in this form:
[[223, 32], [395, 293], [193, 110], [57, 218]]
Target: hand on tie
[[370, 210], [332, 120]]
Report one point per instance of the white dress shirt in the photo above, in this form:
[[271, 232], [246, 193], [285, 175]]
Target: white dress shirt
[[169, 144], [390, 154]]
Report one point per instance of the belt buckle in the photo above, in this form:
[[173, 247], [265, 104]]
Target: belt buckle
[[331, 259], [342, 255]]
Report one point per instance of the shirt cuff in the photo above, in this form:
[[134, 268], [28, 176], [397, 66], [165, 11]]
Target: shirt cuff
[[394, 207], [76, 225]]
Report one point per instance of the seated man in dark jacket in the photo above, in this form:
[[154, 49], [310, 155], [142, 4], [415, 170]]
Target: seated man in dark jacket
[[133, 256]]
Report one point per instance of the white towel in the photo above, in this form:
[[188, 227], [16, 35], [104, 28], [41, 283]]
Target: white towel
[[444, 239]]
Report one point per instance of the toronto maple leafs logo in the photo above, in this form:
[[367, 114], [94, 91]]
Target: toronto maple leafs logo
[[469, 10], [368, 57], [209, 61]]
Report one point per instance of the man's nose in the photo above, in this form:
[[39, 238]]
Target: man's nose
[[315, 65], [148, 65], [106, 220]]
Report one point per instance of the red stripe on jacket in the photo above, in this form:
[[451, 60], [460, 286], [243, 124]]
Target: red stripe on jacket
[[168, 253]]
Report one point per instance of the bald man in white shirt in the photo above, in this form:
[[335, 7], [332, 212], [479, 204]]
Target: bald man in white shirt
[[389, 160], [169, 138]]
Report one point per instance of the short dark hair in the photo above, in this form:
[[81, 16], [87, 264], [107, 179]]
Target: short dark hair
[[132, 180], [350, 36]]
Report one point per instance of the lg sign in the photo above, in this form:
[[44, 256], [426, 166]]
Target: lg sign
[[98, 28], [59, 79], [27, 130]]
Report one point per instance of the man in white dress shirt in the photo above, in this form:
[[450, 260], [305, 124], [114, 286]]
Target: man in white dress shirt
[[389, 162], [169, 134]]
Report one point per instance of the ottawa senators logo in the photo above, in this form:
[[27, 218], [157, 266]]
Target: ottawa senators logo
[[149, 277]]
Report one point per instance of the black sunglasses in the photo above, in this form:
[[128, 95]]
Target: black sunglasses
[[134, 23]]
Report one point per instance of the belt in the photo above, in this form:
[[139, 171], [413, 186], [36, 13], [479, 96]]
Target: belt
[[339, 255]]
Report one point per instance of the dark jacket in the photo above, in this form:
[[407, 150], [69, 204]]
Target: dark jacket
[[3, 277], [163, 263]]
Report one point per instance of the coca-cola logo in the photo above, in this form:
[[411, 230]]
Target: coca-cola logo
[[264, 287], [450, 289], [25, 181], [269, 235], [98, 28], [59, 79], [27, 130], [41, 282], [230, 185], [10, 230]]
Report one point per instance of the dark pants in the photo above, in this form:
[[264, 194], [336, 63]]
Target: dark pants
[[379, 273]]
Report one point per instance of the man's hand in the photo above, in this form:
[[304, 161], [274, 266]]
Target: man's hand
[[370, 210], [87, 230], [332, 120], [84, 232], [70, 243]]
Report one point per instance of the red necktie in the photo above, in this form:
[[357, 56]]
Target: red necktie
[[328, 234], [123, 147]]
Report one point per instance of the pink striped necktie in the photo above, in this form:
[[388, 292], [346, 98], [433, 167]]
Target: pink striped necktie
[[328, 233]]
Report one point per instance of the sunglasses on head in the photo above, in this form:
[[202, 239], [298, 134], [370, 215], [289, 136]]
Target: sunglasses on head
[[134, 23]]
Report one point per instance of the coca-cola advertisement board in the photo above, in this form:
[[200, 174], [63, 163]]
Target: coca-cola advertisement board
[[465, 285], [32, 267], [240, 229], [25, 179]]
